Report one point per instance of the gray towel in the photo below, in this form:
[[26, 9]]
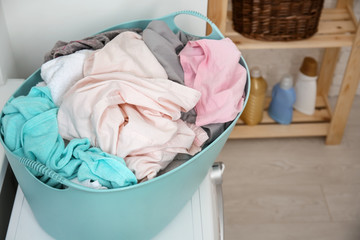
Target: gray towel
[[95, 42], [165, 45]]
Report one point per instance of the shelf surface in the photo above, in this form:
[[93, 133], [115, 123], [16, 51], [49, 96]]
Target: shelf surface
[[336, 28], [302, 125]]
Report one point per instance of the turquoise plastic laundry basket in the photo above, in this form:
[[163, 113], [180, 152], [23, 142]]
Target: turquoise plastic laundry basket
[[136, 212]]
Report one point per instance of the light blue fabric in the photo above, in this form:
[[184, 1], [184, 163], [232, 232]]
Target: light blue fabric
[[30, 130], [281, 105]]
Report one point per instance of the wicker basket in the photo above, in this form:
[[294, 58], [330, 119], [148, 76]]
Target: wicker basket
[[276, 20]]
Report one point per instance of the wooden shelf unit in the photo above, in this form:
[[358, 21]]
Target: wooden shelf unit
[[301, 126], [338, 28]]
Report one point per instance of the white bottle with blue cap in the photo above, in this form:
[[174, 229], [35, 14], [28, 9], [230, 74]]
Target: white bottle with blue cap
[[283, 98]]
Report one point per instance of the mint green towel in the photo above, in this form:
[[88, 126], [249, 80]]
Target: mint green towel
[[30, 129]]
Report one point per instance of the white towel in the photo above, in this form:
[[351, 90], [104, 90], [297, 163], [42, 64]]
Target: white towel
[[88, 183], [63, 72]]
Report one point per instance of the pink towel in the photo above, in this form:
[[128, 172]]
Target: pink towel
[[125, 53], [212, 67]]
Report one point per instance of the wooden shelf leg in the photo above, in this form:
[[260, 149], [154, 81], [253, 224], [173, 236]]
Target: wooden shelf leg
[[344, 3], [347, 93], [327, 69], [216, 12]]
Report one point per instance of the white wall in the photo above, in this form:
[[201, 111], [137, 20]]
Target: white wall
[[7, 63], [34, 26]]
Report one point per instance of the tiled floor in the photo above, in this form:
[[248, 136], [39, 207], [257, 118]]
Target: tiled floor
[[292, 189]]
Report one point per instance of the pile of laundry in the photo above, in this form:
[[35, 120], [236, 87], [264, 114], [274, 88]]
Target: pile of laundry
[[117, 108]]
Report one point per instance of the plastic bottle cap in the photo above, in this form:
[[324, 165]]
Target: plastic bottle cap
[[255, 72], [309, 67], [286, 82]]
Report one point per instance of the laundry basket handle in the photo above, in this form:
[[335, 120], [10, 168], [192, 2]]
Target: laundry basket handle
[[169, 19], [41, 168]]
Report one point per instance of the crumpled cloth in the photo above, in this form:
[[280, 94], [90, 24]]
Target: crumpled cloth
[[166, 45], [126, 106], [95, 42], [61, 73], [30, 130], [212, 67], [125, 53]]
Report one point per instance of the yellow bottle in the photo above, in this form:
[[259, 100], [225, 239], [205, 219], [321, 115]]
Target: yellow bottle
[[253, 112]]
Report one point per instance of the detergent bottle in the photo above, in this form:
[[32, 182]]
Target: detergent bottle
[[305, 87], [253, 112], [282, 101]]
